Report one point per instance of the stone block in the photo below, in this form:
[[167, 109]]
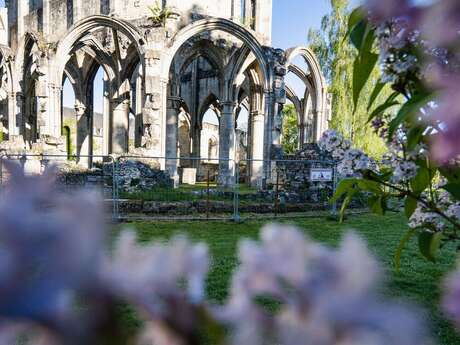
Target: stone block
[[189, 176], [32, 167]]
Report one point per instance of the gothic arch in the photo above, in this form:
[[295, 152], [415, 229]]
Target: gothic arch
[[88, 24], [6, 89], [290, 95], [225, 25], [25, 45], [315, 87], [6, 56], [210, 100], [315, 69]]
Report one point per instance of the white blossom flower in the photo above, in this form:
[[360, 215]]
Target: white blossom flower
[[327, 296], [404, 171], [422, 218], [351, 162]]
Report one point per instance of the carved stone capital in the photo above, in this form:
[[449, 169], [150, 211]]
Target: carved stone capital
[[80, 110], [174, 102]]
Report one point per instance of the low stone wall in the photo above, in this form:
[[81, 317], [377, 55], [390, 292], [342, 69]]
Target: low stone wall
[[126, 206]]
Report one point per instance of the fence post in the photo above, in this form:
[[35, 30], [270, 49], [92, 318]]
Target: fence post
[[277, 191], [207, 195], [236, 201], [1, 169], [115, 188], [334, 187]]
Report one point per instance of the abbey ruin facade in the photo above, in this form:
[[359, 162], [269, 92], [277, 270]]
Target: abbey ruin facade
[[166, 64]]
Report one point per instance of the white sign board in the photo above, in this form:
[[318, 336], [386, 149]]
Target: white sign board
[[321, 174], [189, 176]]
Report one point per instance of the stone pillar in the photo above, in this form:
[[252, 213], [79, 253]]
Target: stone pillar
[[14, 113], [195, 133], [23, 10], [107, 139], [83, 135], [301, 135], [316, 126], [172, 122], [138, 131], [120, 126], [277, 125], [257, 146], [227, 145], [54, 109]]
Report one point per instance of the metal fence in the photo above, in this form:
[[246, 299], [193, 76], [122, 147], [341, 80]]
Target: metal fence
[[191, 188]]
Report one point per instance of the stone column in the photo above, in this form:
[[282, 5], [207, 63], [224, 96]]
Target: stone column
[[54, 108], [138, 109], [120, 126], [14, 114], [107, 139], [316, 126], [257, 146], [227, 145], [277, 125], [301, 135], [23, 10], [172, 122], [83, 135]]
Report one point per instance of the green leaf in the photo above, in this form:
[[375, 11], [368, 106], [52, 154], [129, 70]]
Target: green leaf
[[370, 186], [422, 180], [410, 205], [358, 34], [414, 136], [362, 37], [343, 187], [345, 204], [454, 189], [452, 174], [411, 107], [429, 243], [356, 16], [362, 70], [378, 204], [402, 244], [375, 93], [381, 109]]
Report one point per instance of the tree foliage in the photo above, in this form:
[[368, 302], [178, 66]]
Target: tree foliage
[[290, 137], [337, 56]]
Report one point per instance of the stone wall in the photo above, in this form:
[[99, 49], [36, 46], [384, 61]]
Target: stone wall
[[292, 173]]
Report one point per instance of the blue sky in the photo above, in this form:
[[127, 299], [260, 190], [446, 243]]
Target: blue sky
[[293, 18]]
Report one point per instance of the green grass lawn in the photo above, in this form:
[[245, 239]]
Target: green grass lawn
[[418, 281]]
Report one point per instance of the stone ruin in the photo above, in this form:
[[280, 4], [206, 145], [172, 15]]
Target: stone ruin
[[292, 174]]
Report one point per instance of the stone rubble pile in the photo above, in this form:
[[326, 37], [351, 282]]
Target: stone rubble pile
[[137, 176]]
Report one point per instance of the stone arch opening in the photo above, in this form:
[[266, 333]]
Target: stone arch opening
[[68, 115], [7, 121], [89, 25], [97, 114], [247, 52], [31, 102], [291, 134], [302, 63], [116, 48], [210, 130]]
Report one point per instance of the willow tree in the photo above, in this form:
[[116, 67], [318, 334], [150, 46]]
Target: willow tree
[[337, 56], [290, 137]]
